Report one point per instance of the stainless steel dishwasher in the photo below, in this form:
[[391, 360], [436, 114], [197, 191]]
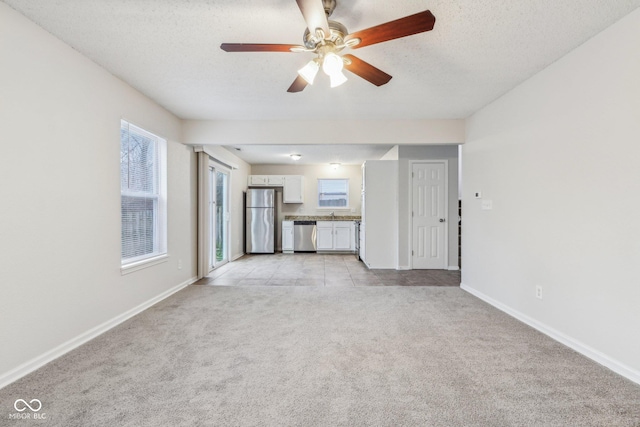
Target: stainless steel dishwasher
[[304, 236]]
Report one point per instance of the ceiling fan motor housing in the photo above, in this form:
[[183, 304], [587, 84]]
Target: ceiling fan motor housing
[[338, 33]]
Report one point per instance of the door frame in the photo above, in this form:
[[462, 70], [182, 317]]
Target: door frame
[[204, 232], [445, 162], [216, 167]]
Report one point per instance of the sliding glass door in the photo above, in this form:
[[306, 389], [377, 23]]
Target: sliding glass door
[[218, 216]]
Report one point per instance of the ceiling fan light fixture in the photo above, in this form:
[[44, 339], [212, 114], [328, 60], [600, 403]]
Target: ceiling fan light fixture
[[295, 156], [309, 71], [337, 79], [334, 166], [332, 64]]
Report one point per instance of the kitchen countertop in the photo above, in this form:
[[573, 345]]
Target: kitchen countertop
[[321, 218]]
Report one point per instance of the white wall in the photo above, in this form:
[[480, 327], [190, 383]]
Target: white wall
[[60, 212], [433, 152], [311, 175], [559, 158], [392, 154]]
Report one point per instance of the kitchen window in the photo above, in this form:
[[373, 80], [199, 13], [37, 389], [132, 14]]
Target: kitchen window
[[143, 203], [333, 193]]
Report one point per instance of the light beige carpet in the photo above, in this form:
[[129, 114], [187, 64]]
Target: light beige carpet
[[319, 356]]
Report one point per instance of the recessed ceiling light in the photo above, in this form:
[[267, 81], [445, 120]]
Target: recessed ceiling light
[[295, 156]]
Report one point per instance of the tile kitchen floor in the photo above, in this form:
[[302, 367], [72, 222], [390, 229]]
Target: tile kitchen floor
[[319, 270]]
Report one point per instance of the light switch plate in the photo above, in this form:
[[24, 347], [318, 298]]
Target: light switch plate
[[487, 205]]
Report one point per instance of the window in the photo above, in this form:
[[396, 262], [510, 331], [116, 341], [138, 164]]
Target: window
[[333, 193], [143, 194]]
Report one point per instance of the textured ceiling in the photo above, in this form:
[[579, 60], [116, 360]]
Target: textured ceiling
[[311, 154], [169, 50]]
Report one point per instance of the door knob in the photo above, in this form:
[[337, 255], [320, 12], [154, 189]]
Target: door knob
[[442, 220]]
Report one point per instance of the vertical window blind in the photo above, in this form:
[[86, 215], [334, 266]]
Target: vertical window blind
[[141, 194]]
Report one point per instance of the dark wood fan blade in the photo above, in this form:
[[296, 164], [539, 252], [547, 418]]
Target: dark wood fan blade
[[366, 70], [314, 16], [407, 26], [256, 47], [298, 85]]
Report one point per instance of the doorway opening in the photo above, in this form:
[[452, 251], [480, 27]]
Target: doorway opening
[[218, 214]]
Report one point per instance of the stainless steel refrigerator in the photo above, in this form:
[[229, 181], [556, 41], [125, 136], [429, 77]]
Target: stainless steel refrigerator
[[260, 221]]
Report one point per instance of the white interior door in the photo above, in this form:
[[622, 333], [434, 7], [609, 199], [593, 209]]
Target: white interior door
[[429, 207]]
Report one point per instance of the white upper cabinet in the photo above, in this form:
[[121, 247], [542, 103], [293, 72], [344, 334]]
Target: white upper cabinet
[[266, 180], [293, 188], [293, 191], [257, 180], [275, 180]]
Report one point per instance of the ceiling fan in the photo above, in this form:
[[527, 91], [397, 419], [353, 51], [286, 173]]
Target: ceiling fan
[[327, 38]]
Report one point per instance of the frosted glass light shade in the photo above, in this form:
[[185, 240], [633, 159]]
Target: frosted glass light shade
[[309, 71], [336, 79], [332, 64]]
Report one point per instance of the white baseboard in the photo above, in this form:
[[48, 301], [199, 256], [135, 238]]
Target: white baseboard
[[39, 361], [237, 256], [453, 268], [585, 350], [403, 267]]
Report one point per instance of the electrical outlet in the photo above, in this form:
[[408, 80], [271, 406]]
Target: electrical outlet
[[539, 292], [179, 264]]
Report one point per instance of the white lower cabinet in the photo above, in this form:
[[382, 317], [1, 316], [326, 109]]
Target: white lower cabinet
[[335, 236], [287, 236], [343, 236], [324, 235]]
